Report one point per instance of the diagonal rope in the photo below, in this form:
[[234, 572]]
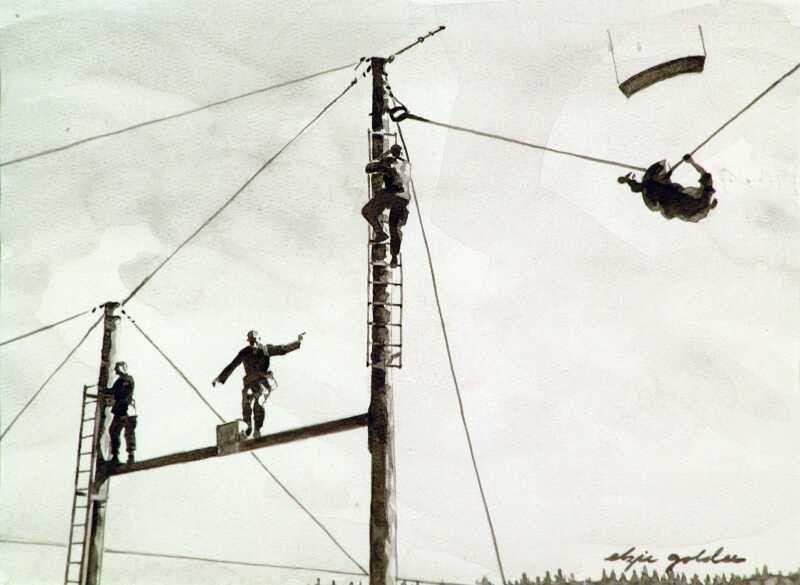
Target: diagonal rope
[[227, 562], [452, 367], [46, 327], [415, 43], [50, 377], [237, 193], [604, 161], [173, 116], [223, 561], [772, 86], [256, 457]]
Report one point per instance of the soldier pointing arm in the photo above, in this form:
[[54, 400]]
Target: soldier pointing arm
[[255, 385]]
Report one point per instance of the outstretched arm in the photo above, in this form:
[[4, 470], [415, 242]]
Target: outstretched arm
[[688, 158], [223, 375], [284, 349]]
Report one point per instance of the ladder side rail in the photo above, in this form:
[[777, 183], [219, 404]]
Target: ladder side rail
[[75, 487], [400, 311], [95, 460]]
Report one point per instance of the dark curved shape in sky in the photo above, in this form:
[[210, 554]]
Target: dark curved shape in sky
[[646, 78]]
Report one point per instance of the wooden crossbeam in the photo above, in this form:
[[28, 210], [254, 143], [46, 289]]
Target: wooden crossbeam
[[298, 434]]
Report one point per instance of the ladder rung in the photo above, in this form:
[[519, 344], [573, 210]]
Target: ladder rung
[[386, 283], [80, 524], [90, 395], [387, 344], [88, 419], [386, 324], [85, 452], [385, 304], [87, 436]]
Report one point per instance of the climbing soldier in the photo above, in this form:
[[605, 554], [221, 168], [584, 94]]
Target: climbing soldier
[[257, 381], [122, 393], [394, 196], [673, 199]]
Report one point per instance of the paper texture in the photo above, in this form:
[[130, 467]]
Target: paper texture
[[628, 380]]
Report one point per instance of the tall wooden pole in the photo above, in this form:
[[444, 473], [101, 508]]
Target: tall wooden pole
[[380, 431], [98, 497]]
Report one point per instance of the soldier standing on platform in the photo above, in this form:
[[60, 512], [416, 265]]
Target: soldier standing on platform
[[122, 393]]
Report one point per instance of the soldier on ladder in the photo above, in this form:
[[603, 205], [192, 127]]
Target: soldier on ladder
[[122, 393], [394, 196], [257, 378]]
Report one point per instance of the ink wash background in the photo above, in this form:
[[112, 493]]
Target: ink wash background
[[628, 380]]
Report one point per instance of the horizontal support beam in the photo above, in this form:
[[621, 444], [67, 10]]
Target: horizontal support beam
[[326, 428]]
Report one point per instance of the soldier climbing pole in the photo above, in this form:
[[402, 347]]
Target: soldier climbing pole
[[380, 431]]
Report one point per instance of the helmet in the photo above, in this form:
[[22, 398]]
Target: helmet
[[252, 334]]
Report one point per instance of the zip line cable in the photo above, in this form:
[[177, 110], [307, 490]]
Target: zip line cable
[[50, 377], [452, 366], [225, 562], [174, 116], [46, 327], [238, 192], [772, 86], [406, 115], [256, 457]]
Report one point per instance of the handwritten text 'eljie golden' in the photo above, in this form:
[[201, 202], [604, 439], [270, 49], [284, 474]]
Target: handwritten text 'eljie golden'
[[630, 557]]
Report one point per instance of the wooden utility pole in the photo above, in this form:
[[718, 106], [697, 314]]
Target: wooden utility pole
[[380, 431], [98, 497]]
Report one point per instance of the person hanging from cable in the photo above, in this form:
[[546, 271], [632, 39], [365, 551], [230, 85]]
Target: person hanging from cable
[[396, 173], [258, 380], [122, 394], [659, 193]]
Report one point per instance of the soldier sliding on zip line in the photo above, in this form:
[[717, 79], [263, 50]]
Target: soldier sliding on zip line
[[258, 381], [673, 199], [394, 196]]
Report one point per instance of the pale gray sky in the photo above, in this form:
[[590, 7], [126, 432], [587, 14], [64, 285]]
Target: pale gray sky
[[628, 380]]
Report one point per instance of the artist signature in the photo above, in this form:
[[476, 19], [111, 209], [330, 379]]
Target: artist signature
[[631, 557]]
